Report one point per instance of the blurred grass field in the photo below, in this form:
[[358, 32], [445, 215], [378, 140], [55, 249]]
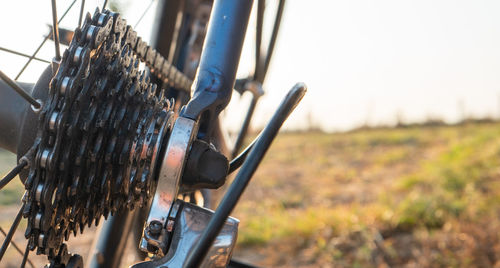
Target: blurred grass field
[[417, 196]]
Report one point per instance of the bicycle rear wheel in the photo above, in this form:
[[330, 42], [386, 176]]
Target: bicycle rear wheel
[[15, 122]]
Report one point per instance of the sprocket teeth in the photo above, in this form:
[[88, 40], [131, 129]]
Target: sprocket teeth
[[98, 134]]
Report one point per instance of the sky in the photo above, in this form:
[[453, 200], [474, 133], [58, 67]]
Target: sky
[[364, 61]]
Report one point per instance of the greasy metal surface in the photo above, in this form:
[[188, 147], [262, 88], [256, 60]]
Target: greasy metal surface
[[98, 134], [53, 123], [189, 225], [169, 178]]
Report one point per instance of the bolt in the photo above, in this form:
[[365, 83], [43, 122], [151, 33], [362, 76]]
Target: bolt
[[155, 227]]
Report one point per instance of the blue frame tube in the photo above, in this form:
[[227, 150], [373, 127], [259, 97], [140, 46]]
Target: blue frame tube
[[216, 74]]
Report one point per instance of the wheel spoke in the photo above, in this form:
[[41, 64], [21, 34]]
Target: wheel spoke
[[55, 31], [22, 54], [10, 234], [258, 37], [260, 67], [12, 174], [144, 13], [19, 90], [244, 127], [274, 35], [25, 255], [43, 42], [82, 7]]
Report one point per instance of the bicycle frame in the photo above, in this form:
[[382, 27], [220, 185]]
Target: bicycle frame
[[198, 119], [216, 73], [212, 89]]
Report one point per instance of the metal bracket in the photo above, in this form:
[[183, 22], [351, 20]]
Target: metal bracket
[[169, 177], [190, 221], [212, 92]]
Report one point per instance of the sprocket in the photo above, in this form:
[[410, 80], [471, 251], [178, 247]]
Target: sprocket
[[99, 134]]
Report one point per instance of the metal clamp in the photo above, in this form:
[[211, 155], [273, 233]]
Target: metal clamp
[[190, 222], [169, 177]]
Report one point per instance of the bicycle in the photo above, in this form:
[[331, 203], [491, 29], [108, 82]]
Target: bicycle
[[111, 130]]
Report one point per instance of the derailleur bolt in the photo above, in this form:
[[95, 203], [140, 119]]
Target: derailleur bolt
[[155, 227]]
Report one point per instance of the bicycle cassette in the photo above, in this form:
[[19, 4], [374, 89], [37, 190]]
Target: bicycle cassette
[[99, 133]]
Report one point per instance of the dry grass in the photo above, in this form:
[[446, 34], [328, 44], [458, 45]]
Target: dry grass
[[371, 198], [376, 198]]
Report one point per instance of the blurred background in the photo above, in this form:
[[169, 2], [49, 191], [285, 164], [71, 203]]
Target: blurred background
[[392, 158]]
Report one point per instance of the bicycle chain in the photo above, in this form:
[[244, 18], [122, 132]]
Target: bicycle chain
[[99, 133]]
